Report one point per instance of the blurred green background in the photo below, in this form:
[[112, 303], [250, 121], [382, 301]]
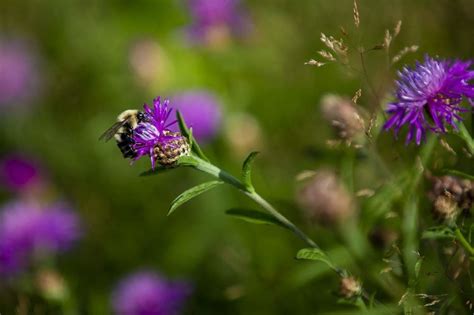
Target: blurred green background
[[87, 78]]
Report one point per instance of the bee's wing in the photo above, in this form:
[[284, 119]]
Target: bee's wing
[[109, 133]]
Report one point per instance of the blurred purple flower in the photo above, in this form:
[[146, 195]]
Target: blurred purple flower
[[19, 173], [201, 111], [18, 72], [212, 17], [28, 229], [146, 293], [429, 95]]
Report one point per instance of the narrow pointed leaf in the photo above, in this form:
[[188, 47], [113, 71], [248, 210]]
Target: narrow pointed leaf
[[191, 193], [247, 169], [186, 132], [253, 216], [314, 254]]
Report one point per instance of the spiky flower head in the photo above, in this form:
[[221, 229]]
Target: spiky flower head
[[147, 293], [153, 137], [429, 97], [29, 230]]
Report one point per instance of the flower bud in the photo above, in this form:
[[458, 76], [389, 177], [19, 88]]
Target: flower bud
[[243, 134], [149, 63], [51, 285], [325, 199], [343, 116], [450, 194], [445, 208], [349, 287]]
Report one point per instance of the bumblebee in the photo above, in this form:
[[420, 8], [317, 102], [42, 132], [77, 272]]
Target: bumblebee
[[122, 131]]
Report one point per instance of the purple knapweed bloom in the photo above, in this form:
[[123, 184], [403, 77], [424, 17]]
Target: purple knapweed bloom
[[18, 173], [18, 72], [29, 230], [201, 111], [213, 19], [428, 97], [154, 138], [146, 293]]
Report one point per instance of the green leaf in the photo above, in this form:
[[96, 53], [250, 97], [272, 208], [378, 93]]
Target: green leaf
[[247, 169], [438, 232], [183, 127], [191, 193], [314, 254], [460, 174], [188, 134], [464, 134], [253, 216]]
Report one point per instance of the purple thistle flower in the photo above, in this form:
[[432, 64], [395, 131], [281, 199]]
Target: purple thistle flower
[[154, 138], [211, 15], [146, 293], [18, 173], [29, 229], [428, 97], [18, 72], [201, 111]]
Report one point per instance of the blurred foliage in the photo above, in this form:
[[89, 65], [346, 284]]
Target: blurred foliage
[[236, 268]]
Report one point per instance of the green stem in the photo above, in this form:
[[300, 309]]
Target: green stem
[[267, 206], [464, 134], [213, 170], [462, 240], [371, 151]]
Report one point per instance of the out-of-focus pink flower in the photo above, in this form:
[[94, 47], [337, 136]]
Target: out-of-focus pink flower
[[29, 230], [201, 111], [18, 73], [215, 22], [147, 293]]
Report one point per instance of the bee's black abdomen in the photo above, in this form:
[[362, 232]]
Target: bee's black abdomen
[[125, 146], [126, 150]]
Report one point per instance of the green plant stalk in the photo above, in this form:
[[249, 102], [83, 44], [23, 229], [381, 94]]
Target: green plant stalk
[[462, 240], [208, 168], [410, 242], [213, 170], [464, 134]]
